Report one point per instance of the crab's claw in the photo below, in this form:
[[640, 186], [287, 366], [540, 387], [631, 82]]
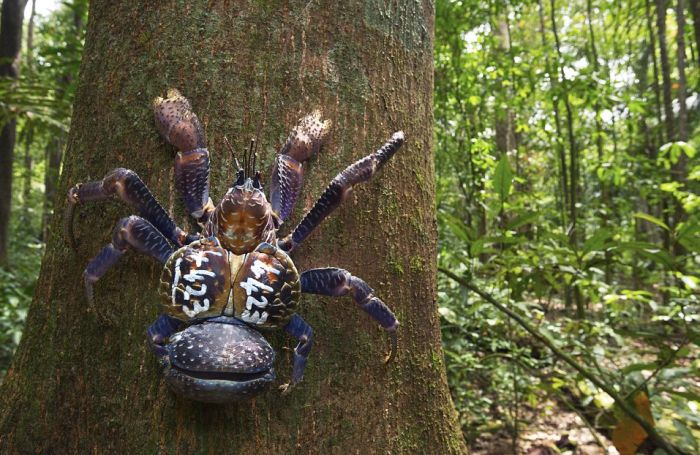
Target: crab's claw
[[177, 123], [68, 215]]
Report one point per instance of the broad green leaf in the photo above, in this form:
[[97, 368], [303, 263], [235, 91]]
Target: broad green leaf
[[651, 219], [502, 178], [690, 396], [522, 220], [690, 282], [686, 434], [645, 366], [670, 187], [456, 226], [596, 241]]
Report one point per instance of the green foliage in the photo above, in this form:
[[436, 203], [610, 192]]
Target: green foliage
[[41, 101], [526, 122]]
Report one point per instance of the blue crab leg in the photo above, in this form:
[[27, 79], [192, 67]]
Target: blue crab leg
[[129, 187], [339, 282], [180, 127], [302, 331], [339, 189], [159, 332], [131, 232], [288, 172]]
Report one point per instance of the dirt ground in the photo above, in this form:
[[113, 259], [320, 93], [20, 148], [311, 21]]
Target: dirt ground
[[556, 431]]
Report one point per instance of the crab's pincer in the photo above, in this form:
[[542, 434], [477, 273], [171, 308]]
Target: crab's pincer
[[219, 361]]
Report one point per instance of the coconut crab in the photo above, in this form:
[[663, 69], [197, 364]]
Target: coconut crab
[[221, 287]]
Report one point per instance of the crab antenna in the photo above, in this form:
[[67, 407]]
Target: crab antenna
[[251, 157], [245, 162], [255, 157], [233, 153]]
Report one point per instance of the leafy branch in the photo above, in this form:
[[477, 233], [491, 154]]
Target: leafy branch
[[621, 402]]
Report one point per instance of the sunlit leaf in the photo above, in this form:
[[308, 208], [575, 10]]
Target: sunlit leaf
[[596, 241], [686, 434], [502, 178], [522, 220], [651, 219]]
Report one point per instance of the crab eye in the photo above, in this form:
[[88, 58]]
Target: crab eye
[[256, 181], [240, 179]]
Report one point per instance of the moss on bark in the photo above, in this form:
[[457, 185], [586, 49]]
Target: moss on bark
[[249, 69]]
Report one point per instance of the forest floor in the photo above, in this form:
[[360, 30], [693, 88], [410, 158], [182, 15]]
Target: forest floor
[[556, 430]]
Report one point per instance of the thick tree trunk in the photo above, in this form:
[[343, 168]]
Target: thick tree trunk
[[78, 386], [10, 44]]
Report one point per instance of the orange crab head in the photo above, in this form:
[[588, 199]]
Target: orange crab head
[[244, 218]]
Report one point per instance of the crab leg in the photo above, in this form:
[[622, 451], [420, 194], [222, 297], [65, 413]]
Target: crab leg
[[129, 187], [288, 172], [131, 232], [180, 127], [340, 188], [302, 331], [159, 332], [339, 282]]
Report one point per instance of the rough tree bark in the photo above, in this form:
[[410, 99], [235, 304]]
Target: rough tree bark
[[10, 44], [249, 69]]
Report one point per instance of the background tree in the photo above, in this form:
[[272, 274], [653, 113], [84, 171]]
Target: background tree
[[10, 43], [39, 102], [249, 71]]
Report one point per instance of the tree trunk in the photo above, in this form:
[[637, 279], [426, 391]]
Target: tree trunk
[[561, 153], [679, 169], [695, 12], [76, 386], [665, 70], [655, 83], [572, 292], [10, 44], [505, 117]]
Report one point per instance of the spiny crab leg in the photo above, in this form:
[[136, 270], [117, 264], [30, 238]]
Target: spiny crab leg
[[288, 172], [129, 187], [179, 126], [302, 331], [131, 232], [339, 282], [339, 189]]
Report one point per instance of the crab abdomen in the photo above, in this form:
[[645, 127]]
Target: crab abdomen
[[219, 361]]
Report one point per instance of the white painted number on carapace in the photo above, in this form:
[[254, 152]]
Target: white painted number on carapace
[[253, 286], [194, 276]]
